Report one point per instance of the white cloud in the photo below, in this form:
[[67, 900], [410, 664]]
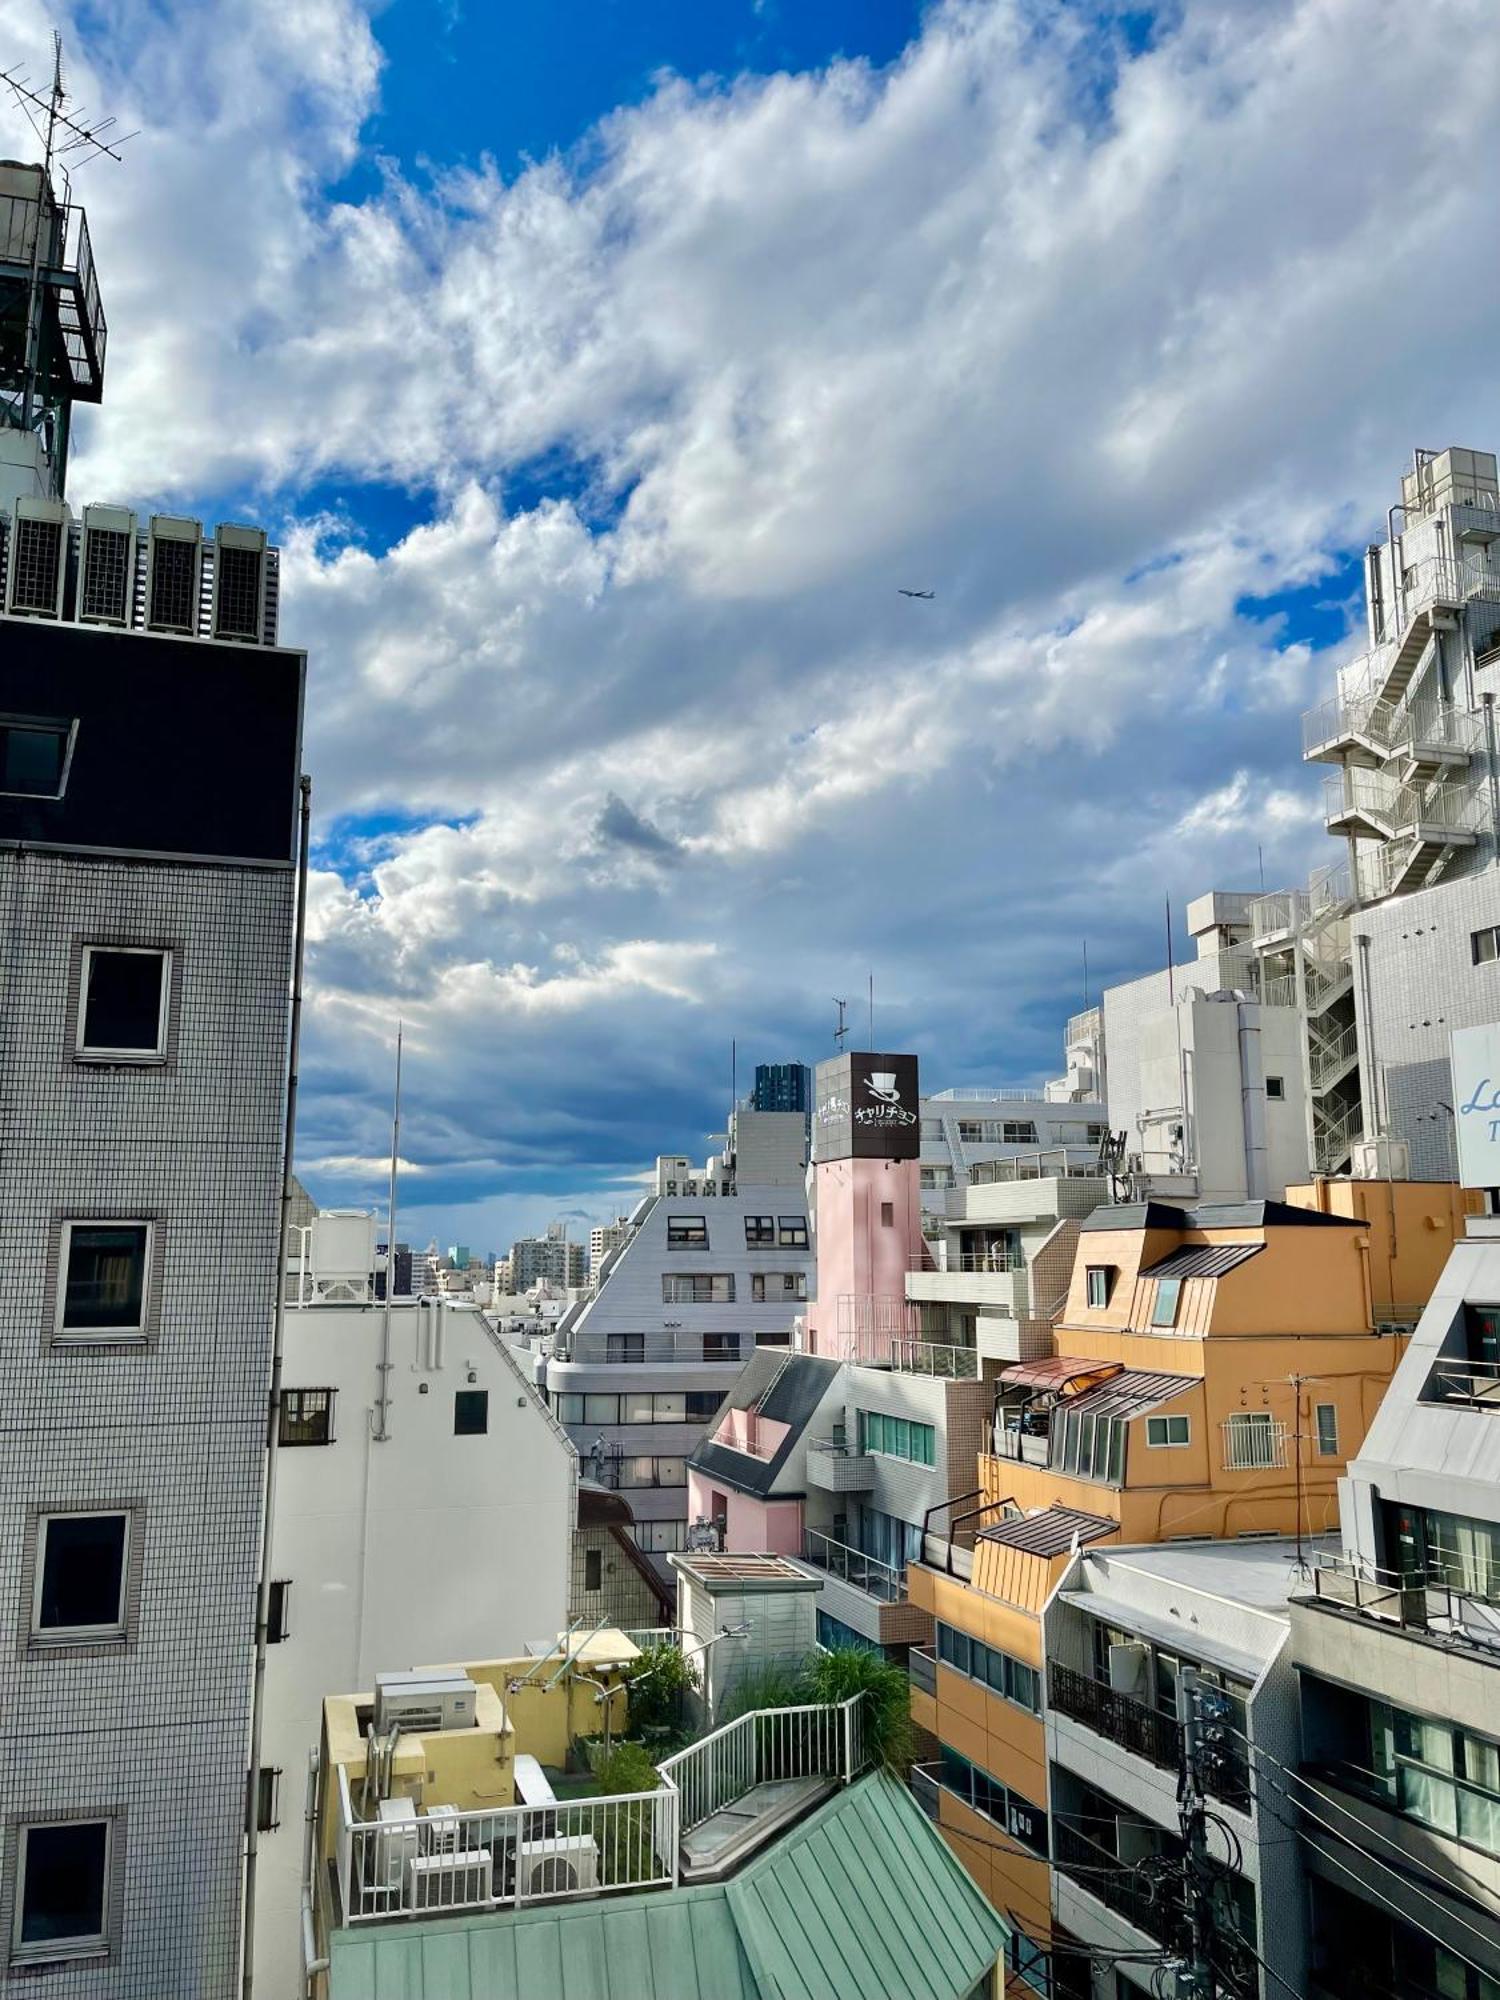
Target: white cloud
[[1096, 346]]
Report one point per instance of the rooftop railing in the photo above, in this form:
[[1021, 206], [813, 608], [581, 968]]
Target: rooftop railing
[[765, 1747], [1442, 1598], [1456, 1378]]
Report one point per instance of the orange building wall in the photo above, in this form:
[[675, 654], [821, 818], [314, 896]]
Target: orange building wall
[[1413, 1226]]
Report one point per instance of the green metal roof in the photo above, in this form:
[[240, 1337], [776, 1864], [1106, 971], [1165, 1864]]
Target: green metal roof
[[863, 1901]]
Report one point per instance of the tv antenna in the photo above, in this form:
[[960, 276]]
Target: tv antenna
[[61, 134], [841, 1027]]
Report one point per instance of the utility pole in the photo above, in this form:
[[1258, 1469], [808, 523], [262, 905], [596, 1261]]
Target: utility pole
[[1196, 1980]]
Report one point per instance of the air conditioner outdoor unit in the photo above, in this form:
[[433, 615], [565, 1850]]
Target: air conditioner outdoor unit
[[106, 570], [396, 1843], [449, 1881], [556, 1867], [239, 584], [418, 1702], [38, 559], [174, 574]]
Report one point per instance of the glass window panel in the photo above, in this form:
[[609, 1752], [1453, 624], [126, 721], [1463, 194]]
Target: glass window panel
[[83, 1572], [569, 1409], [1164, 1306], [31, 761], [601, 1409], [1479, 1820], [122, 1007], [106, 1276], [636, 1407], [1431, 1799], [62, 1894], [670, 1407]]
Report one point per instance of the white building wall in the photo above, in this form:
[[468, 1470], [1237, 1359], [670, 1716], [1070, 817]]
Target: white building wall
[[458, 1546]]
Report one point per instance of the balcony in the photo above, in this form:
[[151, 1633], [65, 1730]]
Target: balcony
[[718, 1800], [854, 1567], [927, 1789], [1253, 1442], [1147, 1890], [1142, 1729], [921, 1665], [865, 1594], [833, 1468], [1424, 1603], [643, 1349], [1471, 1382]]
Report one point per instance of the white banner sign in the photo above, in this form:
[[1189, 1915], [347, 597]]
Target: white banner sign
[[1476, 1104]]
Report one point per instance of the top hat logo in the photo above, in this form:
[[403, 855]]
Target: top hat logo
[[882, 1084]]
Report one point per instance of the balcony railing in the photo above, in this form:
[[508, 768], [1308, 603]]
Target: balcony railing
[[1253, 1447], [1454, 1378], [619, 1349], [1130, 1723], [999, 1259], [921, 1665], [464, 1862], [854, 1567], [927, 1788], [1417, 1600], [1148, 1892]]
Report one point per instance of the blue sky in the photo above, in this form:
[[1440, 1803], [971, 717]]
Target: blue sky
[[605, 367]]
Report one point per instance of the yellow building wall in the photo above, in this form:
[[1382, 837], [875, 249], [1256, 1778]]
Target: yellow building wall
[[1016, 1883], [1413, 1226]]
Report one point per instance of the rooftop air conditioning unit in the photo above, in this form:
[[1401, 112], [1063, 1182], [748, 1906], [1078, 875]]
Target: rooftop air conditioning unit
[[38, 559], [240, 584], [106, 574], [418, 1702], [396, 1843], [174, 575], [453, 1881], [557, 1867]]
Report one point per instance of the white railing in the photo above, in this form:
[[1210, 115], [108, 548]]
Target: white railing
[[1253, 1446], [1328, 1055], [980, 1094], [928, 1357], [873, 1313], [464, 1861], [1335, 1128], [996, 1260], [767, 1746]]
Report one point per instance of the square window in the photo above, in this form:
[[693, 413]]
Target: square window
[[760, 1230], [1162, 1431], [62, 1872], [625, 1347], [103, 1293], [123, 1002], [1485, 945], [791, 1232], [80, 1576], [1099, 1277], [471, 1413], [1164, 1306], [1275, 1088], [306, 1417], [35, 753]]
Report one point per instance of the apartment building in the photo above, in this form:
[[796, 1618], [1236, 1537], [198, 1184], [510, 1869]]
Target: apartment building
[[407, 1434], [718, 1260], [967, 1128], [1397, 1648], [150, 904], [1213, 1368], [603, 1238], [552, 1259], [457, 1855], [1386, 952]]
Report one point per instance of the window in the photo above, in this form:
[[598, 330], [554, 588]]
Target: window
[[1161, 1431], [1100, 1279], [835, 1636], [1097, 1134], [80, 1576], [122, 1002], [1164, 1306], [658, 1537], [777, 1285], [267, 1799], [306, 1417], [593, 1569], [791, 1232], [1021, 1820], [1020, 1131], [568, 1408], [887, 1215], [721, 1347], [760, 1231], [647, 1471], [936, 1177], [103, 1293], [279, 1612], [35, 753], [1442, 1777], [1275, 1088], [625, 1347], [1485, 944], [1326, 1427], [897, 1437], [1253, 1442], [1087, 1446], [471, 1412], [687, 1232], [702, 1404], [708, 1289], [62, 1874]]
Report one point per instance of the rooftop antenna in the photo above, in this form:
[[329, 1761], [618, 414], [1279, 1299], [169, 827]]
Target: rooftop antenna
[[382, 1430], [1085, 975], [841, 1026], [59, 134], [872, 1013]]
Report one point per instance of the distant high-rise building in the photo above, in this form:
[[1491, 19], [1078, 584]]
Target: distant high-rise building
[[150, 754], [782, 1087]]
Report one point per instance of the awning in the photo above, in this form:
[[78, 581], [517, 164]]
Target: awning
[[1058, 1371]]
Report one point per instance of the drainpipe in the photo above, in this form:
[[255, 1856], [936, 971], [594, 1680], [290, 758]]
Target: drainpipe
[[382, 1428], [312, 1964], [273, 1399], [1398, 586], [1489, 744]]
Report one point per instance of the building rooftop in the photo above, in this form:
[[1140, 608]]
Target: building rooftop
[[908, 1920], [1050, 1532], [715, 1573], [1215, 1215], [1262, 1573]]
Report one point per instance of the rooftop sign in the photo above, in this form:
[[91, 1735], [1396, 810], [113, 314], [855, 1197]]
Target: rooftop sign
[[1476, 1104], [867, 1109]]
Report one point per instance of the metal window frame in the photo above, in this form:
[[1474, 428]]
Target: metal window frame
[[100, 1051], [313, 1389], [65, 1335], [97, 1944], [79, 1635], [58, 725]]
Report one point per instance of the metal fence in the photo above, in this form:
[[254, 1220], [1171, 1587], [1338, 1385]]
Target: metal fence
[[853, 1566], [767, 1746]]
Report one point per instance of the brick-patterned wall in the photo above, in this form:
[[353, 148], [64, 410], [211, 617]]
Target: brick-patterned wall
[[155, 1729]]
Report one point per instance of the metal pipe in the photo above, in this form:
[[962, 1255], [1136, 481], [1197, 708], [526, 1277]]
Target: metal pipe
[[312, 1964], [273, 1398], [382, 1428], [1398, 586]]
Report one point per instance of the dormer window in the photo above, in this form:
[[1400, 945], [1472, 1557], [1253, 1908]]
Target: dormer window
[[35, 753]]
